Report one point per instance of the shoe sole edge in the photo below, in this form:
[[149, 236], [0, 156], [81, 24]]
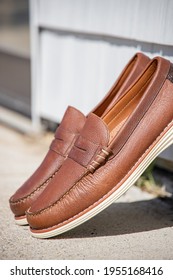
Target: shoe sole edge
[[21, 221]]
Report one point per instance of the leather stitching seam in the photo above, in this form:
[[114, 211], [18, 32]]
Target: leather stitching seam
[[23, 199]]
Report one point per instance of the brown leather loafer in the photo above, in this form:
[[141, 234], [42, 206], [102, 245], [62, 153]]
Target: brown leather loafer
[[109, 155], [65, 136]]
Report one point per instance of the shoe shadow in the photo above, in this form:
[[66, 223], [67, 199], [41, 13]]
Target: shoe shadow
[[125, 218]]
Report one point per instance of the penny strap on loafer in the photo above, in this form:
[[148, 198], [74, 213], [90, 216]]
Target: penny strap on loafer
[[93, 137], [67, 131], [60, 144]]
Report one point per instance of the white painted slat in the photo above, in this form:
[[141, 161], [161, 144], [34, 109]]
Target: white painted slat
[[147, 21]]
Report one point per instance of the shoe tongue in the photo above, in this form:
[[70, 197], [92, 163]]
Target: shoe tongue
[[73, 120], [95, 130]]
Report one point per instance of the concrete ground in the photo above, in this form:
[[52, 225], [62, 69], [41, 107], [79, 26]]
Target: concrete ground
[[137, 226]]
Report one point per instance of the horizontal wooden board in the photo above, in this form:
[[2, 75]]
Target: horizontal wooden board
[[147, 21]]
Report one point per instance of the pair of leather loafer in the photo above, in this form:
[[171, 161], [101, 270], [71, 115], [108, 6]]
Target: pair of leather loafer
[[93, 160]]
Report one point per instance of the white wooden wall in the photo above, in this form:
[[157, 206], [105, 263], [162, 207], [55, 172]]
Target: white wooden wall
[[79, 48]]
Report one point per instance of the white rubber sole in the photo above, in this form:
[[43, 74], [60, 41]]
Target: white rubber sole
[[21, 221], [159, 147]]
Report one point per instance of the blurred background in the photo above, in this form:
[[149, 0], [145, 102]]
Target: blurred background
[[59, 52], [15, 82]]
